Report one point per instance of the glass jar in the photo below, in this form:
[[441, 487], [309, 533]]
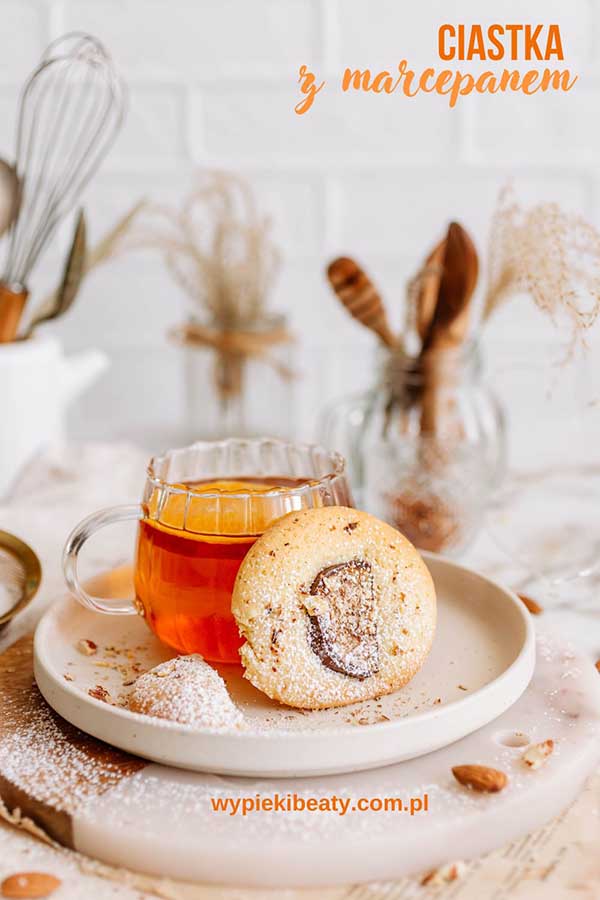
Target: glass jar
[[238, 382], [546, 517], [425, 446]]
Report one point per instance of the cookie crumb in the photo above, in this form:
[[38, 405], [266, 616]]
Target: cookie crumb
[[99, 693], [87, 647], [534, 608]]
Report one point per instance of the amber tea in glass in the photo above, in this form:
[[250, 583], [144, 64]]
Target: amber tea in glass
[[203, 508]]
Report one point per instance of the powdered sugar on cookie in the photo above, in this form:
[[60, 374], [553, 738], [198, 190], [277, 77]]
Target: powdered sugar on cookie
[[187, 690]]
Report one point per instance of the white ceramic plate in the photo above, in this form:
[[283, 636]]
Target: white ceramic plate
[[481, 662]]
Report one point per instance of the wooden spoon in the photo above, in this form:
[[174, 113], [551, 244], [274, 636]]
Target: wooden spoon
[[73, 273], [428, 289], [9, 196], [360, 297], [449, 323], [450, 319], [12, 297]]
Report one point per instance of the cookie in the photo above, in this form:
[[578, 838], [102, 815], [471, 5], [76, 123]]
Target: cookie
[[187, 690], [335, 606]]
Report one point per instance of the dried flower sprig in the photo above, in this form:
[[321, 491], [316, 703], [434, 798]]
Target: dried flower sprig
[[552, 255], [218, 248], [111, 244]]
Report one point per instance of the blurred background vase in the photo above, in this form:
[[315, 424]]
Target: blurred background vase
[[425, 445], [238, 382]]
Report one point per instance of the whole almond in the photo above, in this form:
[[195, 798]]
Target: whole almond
[[534, 608], [480, 778], [29, 885], [536, 755], [598, 664]]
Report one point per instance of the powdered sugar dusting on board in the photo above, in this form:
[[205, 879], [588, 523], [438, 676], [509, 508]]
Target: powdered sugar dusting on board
[[43, 755]]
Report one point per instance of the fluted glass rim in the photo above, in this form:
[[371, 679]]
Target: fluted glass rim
[[413, 368], [338, 468]]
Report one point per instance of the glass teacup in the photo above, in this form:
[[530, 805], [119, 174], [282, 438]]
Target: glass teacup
[[203, 508]]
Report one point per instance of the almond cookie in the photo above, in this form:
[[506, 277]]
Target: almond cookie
[[335, 606]]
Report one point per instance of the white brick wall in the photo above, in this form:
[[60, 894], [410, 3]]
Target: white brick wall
[[213, 82]]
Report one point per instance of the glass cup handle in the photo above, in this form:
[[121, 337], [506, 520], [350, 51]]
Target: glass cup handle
[[86, 528]]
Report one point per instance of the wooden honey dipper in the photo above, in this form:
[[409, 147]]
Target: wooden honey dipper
[[360, 297]]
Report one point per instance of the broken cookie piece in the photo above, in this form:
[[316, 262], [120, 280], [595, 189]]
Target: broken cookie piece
[[343, 622], [187, 690], [343, 611]]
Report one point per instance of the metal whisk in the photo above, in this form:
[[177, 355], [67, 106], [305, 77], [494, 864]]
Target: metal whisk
[[70, 112]]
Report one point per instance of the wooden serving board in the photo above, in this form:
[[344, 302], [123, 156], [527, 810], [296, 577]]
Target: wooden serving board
[[153, 819], [48, 768]]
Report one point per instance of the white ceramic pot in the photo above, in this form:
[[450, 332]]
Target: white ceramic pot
[[37, 382]]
